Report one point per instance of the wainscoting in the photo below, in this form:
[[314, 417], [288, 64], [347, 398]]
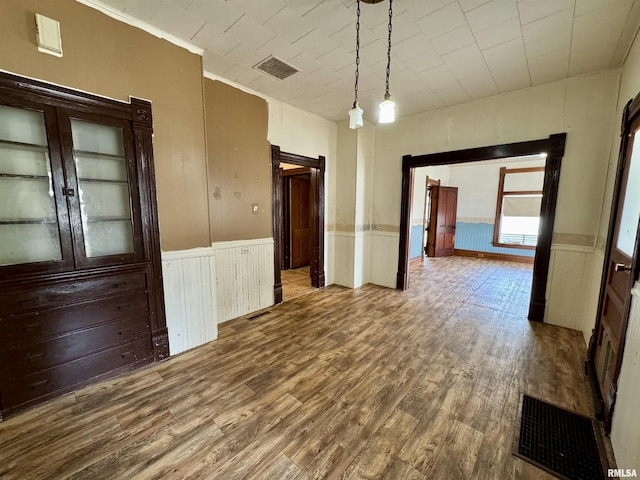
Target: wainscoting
[[369, 256], [344, 254], [573, 287], [477, 236], [470, 236], [383, 257], [207, 286], [626, 421], [244, 272], [190, 292]]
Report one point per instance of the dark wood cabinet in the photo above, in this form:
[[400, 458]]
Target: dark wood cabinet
[[80, 274]]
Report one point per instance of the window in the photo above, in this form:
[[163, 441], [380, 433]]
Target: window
[[518, 207]]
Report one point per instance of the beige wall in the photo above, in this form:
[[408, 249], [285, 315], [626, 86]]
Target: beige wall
[[239, 163], [109, 58]]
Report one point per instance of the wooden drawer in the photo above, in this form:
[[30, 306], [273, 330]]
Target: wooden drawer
[[69, 292], [71, 375], [36, 326], [26, 359]]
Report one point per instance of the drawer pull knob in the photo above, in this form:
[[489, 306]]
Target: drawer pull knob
[[124, 306], [127, 354], [34, 357], [28, 328], [120, 285], [39, 384], [126, 331]]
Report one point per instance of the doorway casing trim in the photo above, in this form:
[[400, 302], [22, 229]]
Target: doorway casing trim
[[630, 114], [317, 166], [553, 146]]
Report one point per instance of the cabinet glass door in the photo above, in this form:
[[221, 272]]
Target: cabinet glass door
[[28, 222], [103, 188]]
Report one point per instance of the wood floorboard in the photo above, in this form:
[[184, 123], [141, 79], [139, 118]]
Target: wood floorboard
[[336, 384]]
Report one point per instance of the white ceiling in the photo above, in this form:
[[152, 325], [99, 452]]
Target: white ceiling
[[444, 51]]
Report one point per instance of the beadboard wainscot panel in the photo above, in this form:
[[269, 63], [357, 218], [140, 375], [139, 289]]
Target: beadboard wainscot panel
[[573, 286], [190, 297], [591, 287], [383, 257], [344, 254], [477, 235], [625, 429], [244, 276], [362, 263], [329, 253]]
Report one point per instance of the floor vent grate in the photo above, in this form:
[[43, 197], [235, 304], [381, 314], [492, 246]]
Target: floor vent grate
[[558, 441]]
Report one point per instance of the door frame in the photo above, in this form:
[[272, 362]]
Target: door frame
[[629, 115], [428, 187], [317, 166], [553, 146], [286, 213]]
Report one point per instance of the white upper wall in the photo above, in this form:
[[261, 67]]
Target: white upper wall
[[300, 132], [584, 107], [303, 133], [478, 187]]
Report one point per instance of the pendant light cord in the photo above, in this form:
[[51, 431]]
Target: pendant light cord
[[355, 102], [388, 46]]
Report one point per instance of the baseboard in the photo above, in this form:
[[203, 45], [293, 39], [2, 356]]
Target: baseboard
[[505, 257], [415, 260]]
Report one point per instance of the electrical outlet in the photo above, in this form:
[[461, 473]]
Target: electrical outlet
[[244, 250]]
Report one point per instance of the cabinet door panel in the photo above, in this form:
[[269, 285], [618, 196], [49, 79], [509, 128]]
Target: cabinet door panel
[[103, 189], [29, 230]]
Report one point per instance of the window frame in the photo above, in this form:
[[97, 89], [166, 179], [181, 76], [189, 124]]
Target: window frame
[[500, 200]]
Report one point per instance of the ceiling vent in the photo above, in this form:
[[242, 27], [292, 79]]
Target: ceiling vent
[[276, 68]]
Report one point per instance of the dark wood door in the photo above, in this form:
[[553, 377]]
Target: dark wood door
[[614, 313], [447, 205], [300, 221]]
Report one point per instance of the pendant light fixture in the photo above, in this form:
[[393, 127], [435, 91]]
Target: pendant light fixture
[[388, 106], [355, 114]]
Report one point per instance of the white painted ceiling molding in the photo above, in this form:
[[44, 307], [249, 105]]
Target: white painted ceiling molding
[[445, 52]]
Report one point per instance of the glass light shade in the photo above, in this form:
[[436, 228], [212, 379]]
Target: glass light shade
[[387, 110], [355, 117]]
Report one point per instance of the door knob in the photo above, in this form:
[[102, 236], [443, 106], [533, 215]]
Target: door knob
[[621, 267]]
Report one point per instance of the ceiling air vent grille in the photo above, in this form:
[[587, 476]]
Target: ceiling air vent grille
[[276, 68]]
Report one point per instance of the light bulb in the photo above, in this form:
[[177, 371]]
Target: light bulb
[[387, 110], [355, 117]]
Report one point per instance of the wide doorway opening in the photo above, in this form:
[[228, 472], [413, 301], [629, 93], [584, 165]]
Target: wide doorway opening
[[488, 203], [478, 219]]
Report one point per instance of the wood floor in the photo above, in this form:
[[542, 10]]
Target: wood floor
[[295, 282], [339, 384]]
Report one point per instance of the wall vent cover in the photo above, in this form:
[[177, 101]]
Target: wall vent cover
[[276, 68]]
